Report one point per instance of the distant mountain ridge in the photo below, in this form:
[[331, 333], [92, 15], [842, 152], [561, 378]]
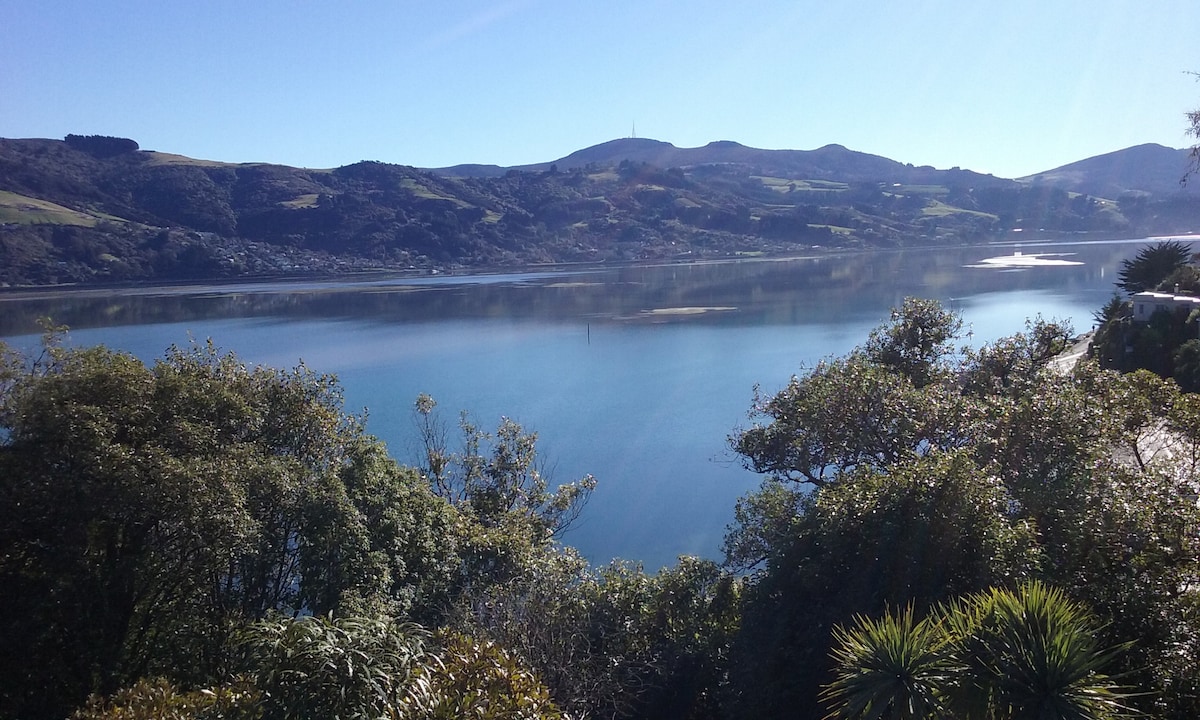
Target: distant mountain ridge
[[1150, 168], [92, 209], [830, 162]]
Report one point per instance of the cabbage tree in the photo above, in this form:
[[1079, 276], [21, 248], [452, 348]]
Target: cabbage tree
[[993, 655]]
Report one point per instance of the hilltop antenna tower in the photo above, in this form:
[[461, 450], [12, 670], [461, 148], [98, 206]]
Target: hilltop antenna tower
[[633, 134]]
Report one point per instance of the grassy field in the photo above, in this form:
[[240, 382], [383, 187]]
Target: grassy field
[[835, 229], [159, 158], [787, 185], [937, 208], [919, 189], [22, 210], [605, 176], [301, 202], [421, 191]]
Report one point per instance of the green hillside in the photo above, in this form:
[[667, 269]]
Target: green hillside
[[95, 209]]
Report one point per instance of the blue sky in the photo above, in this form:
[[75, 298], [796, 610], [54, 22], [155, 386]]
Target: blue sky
[[1010, 88]]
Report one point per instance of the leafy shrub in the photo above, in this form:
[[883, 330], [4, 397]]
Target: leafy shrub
[[158, 699]]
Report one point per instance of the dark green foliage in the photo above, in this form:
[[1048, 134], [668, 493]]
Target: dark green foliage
[[919, 534], [497, 475], [916, 342], [617, 642], [1153, 265], [152, 513], [871, 408], [230, 531], [1158, 344], [1012, 365], [1186, 279], [1124, 344], [149, 511], [995, 655], [1116, 309], [1034, 653], [412, 547], [1003, 467], [498, 484], [1113, 342], [835, 418], [896, 667], [191, 197], [1186, 361]]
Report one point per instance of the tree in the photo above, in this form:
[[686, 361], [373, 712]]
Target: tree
[[412, 539], [871, 408], [1186, 360], [1013, 365], [101, 146], [613, 642], [1114, 310], [510, 518], [1003, 468], [499, 481], [316, 667], [994, 655], [616, 641], [147, 512], [1193, 130], [895, 666], [846, 413], [1152, 265], [918, 339], [918, 532]]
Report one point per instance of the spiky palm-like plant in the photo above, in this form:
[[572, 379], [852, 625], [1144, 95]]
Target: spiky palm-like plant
[[895, 667], [995, 655], [1035, 655]]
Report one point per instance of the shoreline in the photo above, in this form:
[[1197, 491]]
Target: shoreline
[[440, 276]]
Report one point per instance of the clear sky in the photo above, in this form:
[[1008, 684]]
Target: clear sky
[[1011, 87]]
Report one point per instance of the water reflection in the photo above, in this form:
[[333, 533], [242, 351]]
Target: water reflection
[[618, 379], [760, 292]]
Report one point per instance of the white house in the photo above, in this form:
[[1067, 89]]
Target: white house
[[1146, 304]]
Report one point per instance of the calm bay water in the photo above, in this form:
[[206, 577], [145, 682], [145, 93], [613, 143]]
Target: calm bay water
[[634, 374]]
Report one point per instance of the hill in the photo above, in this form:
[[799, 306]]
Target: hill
[[96, 210], [1148, 169], [831, 162]]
